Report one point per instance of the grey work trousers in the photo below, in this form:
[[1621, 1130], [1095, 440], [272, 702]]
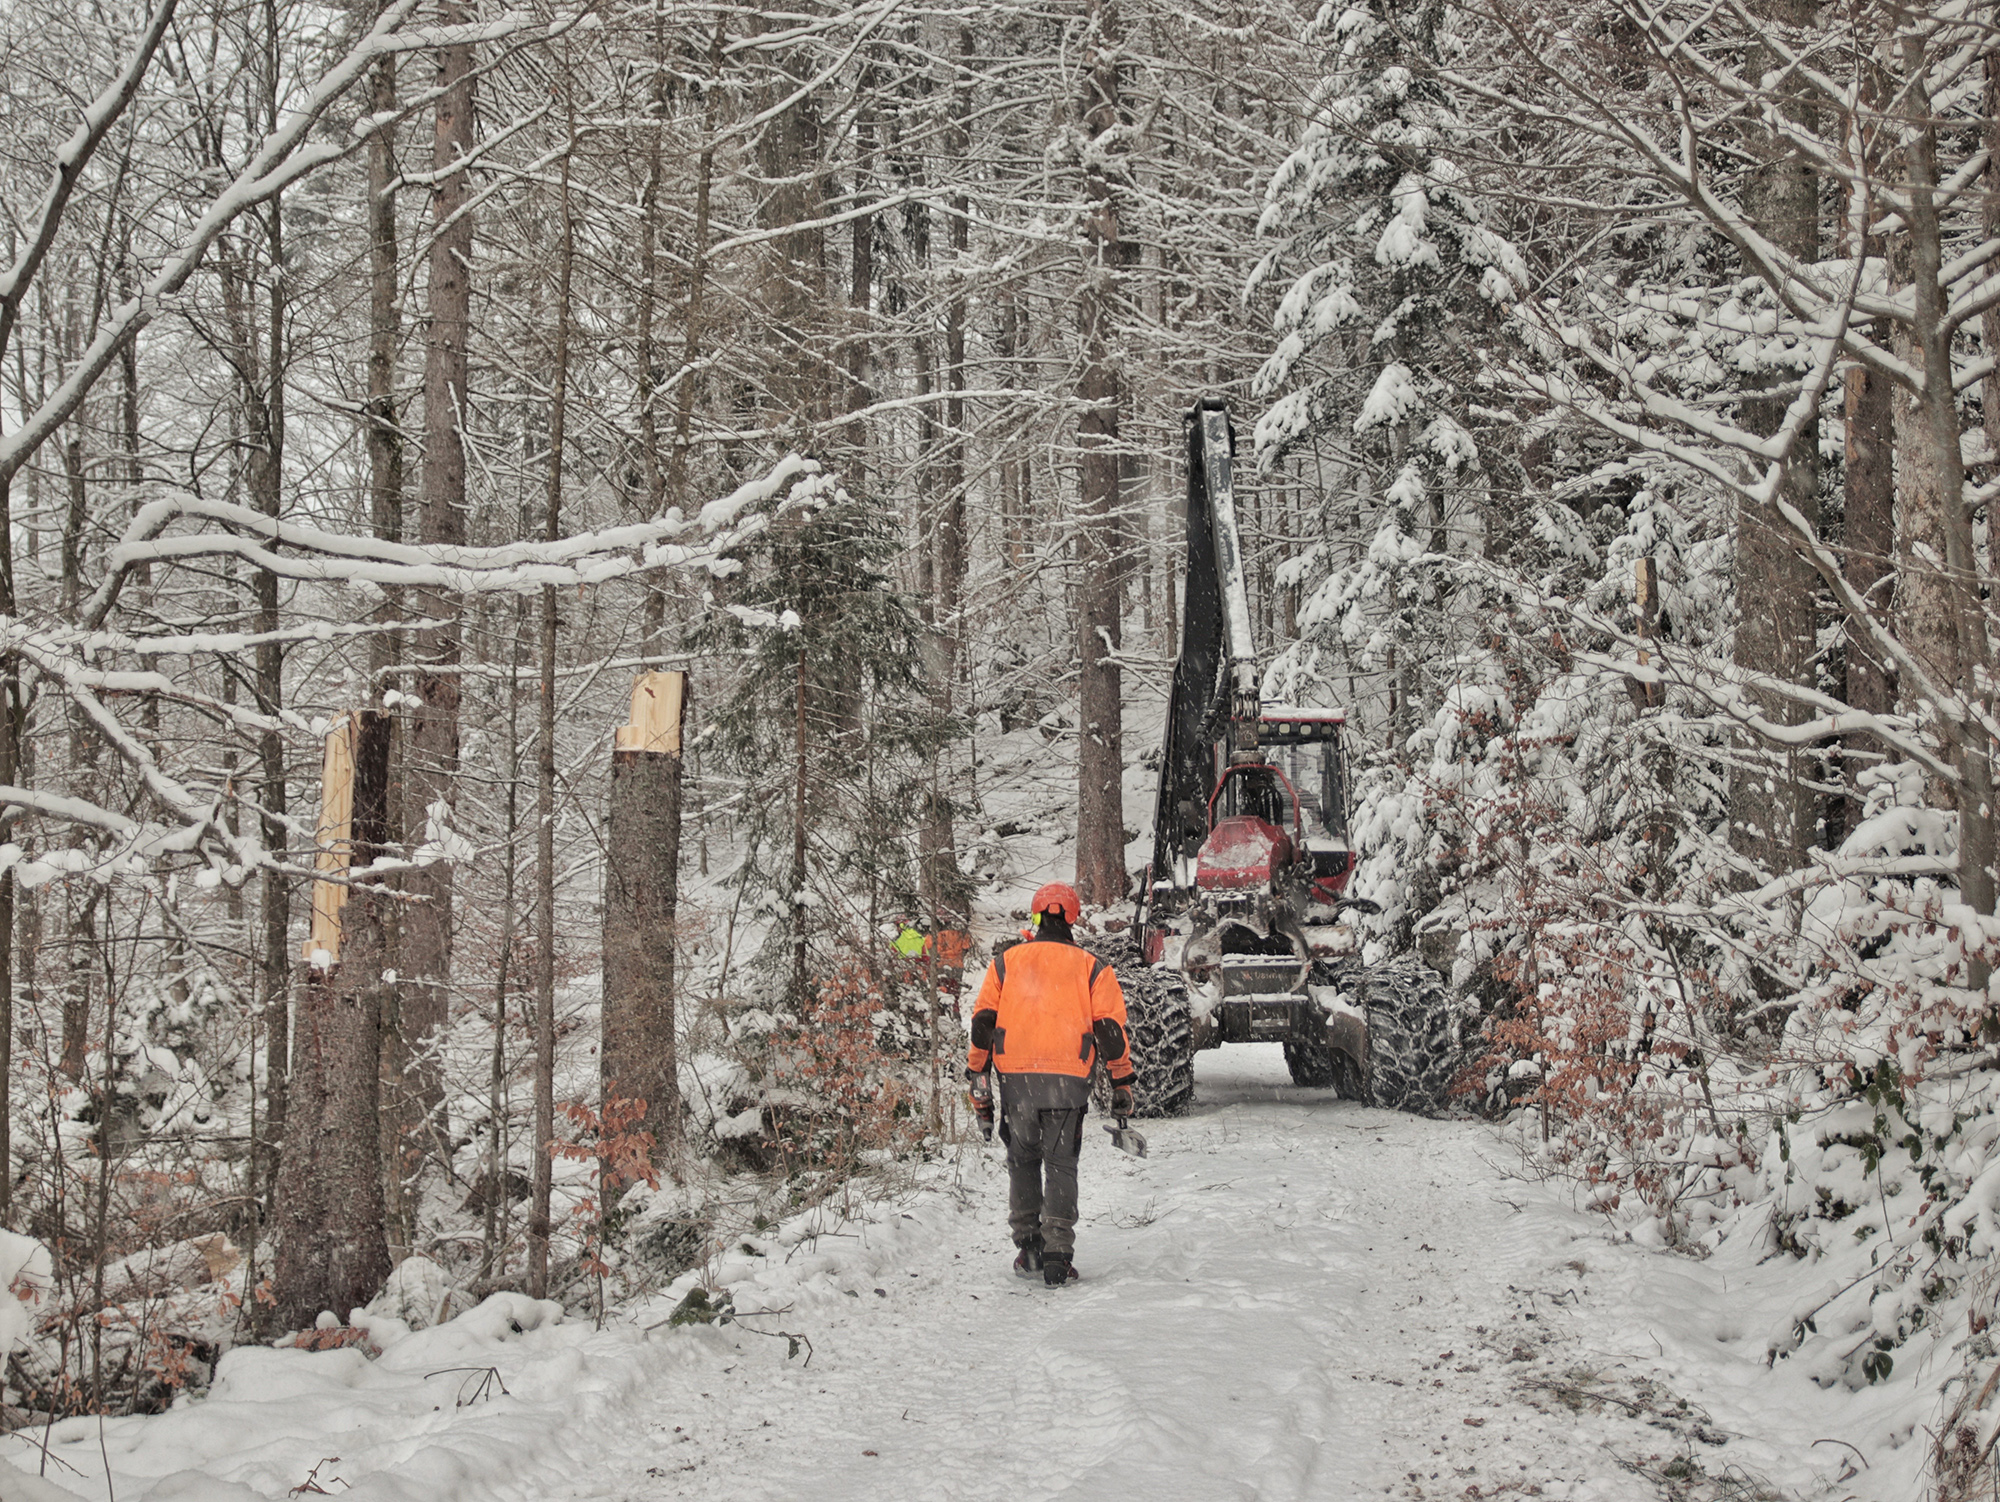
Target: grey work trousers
[[1041, 1121]]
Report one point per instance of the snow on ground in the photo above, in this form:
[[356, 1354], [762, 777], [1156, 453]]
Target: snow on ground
[[1292, 1297]]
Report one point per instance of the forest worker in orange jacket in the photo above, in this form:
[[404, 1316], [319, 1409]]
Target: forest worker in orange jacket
[[1047, 1010]]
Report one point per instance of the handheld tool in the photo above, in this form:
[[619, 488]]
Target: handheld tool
[[1125, 1139]]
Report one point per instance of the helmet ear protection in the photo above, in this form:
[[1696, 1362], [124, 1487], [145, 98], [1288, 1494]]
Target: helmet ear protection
[[1059, 898]]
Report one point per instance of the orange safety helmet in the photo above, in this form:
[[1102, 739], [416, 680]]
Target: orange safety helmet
[[1057, 897]]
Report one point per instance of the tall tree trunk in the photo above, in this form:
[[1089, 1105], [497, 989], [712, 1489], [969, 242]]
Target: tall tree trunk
[[264, 430], [800, 385], [402, 1110], [1989, 325], [11, 759], [941, 882], [951, 524], [1869, 531], [539, 1226], [642, 844], [78, 933], [927, 517], [697, 282], [1868, 548], [431, 745], [1928, 448], [1771, 810], [494, 1243], [128, 424], [653, 613], [79, 982], [332, 1254], [937, 852], [861, 287], [1868, 505], [382, 425], [1100, 813], [800, 908], [1008, 346]]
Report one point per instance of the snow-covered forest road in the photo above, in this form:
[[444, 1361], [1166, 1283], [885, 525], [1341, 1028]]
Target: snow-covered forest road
[[1292, 1297]]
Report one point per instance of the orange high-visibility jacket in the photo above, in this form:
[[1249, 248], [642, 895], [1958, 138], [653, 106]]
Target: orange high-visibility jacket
[[952, 948], [1047, 1007]]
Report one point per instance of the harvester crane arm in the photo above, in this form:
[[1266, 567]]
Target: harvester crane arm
[[1215, 686], [1211, 450]]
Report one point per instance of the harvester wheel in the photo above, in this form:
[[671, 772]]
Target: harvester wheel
[[1159, 1028], [1415, 1046], [1313, 1065]]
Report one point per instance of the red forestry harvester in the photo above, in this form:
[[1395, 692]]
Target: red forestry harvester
[[1239, 922]]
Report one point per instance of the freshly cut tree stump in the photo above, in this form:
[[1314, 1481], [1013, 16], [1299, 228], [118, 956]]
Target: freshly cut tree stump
[[641, 887], [332, 1254]]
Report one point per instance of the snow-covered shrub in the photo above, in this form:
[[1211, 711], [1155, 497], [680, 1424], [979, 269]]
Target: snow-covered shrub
[[1889, 1186], [1882, 1164], [1554, 825], [610, 1139], [836, 1093]]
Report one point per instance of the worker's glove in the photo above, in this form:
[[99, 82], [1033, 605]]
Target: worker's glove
[[1121, 1100]]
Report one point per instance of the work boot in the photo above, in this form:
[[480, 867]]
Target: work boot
[[1029, 1260], [1058, 1271]]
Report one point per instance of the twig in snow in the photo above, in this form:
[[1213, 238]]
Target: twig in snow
[[43, 1445], [792, 1339], [1864, 1458], [311, 1483], [490, 1378]]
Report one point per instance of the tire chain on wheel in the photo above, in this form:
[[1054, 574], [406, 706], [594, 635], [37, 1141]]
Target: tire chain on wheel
[[1159, 1029], [1416, 1043], [1416, 1047]]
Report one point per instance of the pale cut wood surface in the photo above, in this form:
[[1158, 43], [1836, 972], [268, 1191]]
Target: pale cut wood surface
[[657, 703], [335, 838]]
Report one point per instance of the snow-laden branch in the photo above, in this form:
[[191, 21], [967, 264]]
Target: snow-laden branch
[[192, 817], [1763, 491], [1726, 686], [1680, 171], [198, 819], [1829, 867], [218, 643], [1729, 689], [1808, 289], [65, 809], [666, 542], [471, 159], [54, 654]]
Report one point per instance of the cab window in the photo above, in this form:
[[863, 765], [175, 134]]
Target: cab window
[[1315, 771], [1259, 795]]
